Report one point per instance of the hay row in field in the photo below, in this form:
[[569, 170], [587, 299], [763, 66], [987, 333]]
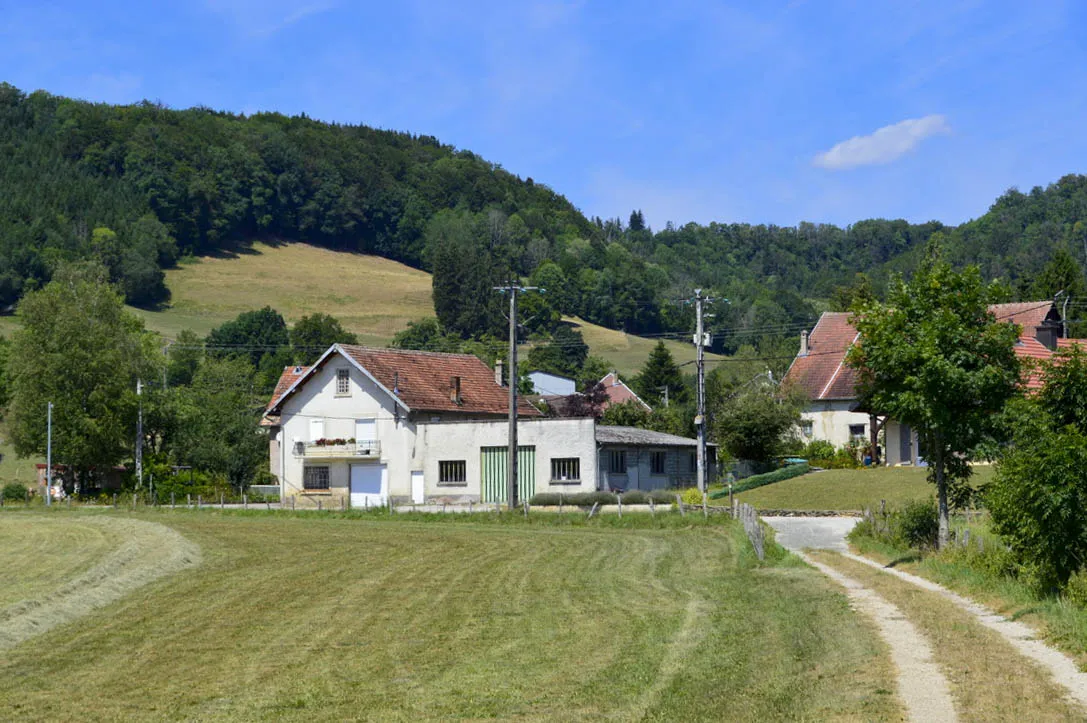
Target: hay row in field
[[149, 551]]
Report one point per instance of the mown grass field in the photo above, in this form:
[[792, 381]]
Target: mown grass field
[[303, 618], [848, 489]]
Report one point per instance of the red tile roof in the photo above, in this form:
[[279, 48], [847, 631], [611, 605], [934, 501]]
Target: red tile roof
[[618, 392], [1028, 314], [1032, 353], [289, 376], [823, 373], [423, 381]]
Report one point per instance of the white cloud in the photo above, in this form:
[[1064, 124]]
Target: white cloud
[[885, 145], [262, 18]]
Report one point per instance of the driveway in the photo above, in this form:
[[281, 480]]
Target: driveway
[[818, 533]]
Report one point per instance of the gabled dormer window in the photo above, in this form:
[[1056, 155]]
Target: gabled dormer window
[[343, 382]]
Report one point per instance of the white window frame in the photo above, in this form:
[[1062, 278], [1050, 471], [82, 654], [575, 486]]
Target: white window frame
[[343, 382], [858, 436]]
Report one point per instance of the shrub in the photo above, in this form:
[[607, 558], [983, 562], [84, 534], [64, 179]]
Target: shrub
[[818, 449], [916, 525], [578, 499], [1075, 590], [14, 492], [691, 496], [758, 480]]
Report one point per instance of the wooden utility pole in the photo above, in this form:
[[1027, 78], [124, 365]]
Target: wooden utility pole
[[701, 341], [513, 290], [49, 455], [139, 435]]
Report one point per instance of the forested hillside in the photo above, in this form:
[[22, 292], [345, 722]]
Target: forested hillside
[[136, 187]]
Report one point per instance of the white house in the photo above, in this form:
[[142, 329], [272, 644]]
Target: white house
[[363, 426], [371, 425]]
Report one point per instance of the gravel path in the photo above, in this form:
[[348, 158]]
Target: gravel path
[[921, 685], [1063, 669]]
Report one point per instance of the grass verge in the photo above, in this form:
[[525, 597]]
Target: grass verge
[[296, 617], [1058, 621], [848, 489], [989, 679]]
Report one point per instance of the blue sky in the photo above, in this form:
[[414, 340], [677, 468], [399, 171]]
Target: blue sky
[[760, 112]]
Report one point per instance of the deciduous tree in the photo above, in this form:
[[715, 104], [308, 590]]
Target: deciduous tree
[[935, 358]]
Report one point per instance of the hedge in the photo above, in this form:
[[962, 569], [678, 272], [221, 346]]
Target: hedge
[[588, 499], [759, 480]]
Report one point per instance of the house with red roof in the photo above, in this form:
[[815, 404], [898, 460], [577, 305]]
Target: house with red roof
[[363, 426], [832, 412]]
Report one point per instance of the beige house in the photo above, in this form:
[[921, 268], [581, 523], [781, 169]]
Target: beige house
[[833, 411]]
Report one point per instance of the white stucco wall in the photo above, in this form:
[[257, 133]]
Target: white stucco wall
[[317, 399], [464, 440], [831, 420], [893, 452], [416, 442]]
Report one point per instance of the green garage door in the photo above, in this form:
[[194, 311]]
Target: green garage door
[[493, 468]]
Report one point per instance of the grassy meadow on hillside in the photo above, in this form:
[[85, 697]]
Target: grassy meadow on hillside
[[372, 296], [303, 618]]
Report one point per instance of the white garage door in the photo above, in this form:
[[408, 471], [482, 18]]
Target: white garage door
[[369, 485]]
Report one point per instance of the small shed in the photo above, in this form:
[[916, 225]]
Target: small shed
[[632, 458]]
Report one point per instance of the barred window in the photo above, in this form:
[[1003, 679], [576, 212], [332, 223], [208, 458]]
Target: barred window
[[857, 432], [566, 469], [452, 471], [656, 462], [315, 478], [807, 428], [617, 463], [343, 381]]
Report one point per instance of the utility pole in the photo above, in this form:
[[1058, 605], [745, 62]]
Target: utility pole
[[664, 392], [511, 450], [700, 341], [49, 455], [139, 436]]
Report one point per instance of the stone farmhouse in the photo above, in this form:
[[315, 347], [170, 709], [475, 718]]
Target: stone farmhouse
[[833, 412], [364, 426]]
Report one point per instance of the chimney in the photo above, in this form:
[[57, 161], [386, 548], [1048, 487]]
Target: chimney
[[454, 390], [498, 372], [804, 343]]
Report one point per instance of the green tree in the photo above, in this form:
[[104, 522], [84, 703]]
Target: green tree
[[218, 421], [81, 350], [252, 335], [934, 358], [183, 358], [856, 295], [312, 335], [628, 414], [465, 274], [426, 335], [1061, 273], [660, 372], [564, 354], [754, 421]]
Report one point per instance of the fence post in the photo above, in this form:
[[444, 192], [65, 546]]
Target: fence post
[[560, 503], [343, 504], [114, 500], [135, 495], [222, 504], [319, 506], [526, 508], [28, 497], [199, 501], [469, 506], [188, 500], [172, 500], [679, 501], [619, 502], [68, 499], [293, 498], [593, 510], [705, 509], [245, 501], [652, 508]]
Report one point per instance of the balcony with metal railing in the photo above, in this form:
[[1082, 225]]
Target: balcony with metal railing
[[339, 449]]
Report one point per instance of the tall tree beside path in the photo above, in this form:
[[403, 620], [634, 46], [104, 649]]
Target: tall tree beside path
[[935, 358], [81, 350]]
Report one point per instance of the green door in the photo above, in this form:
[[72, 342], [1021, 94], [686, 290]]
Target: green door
[[493, 465]]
